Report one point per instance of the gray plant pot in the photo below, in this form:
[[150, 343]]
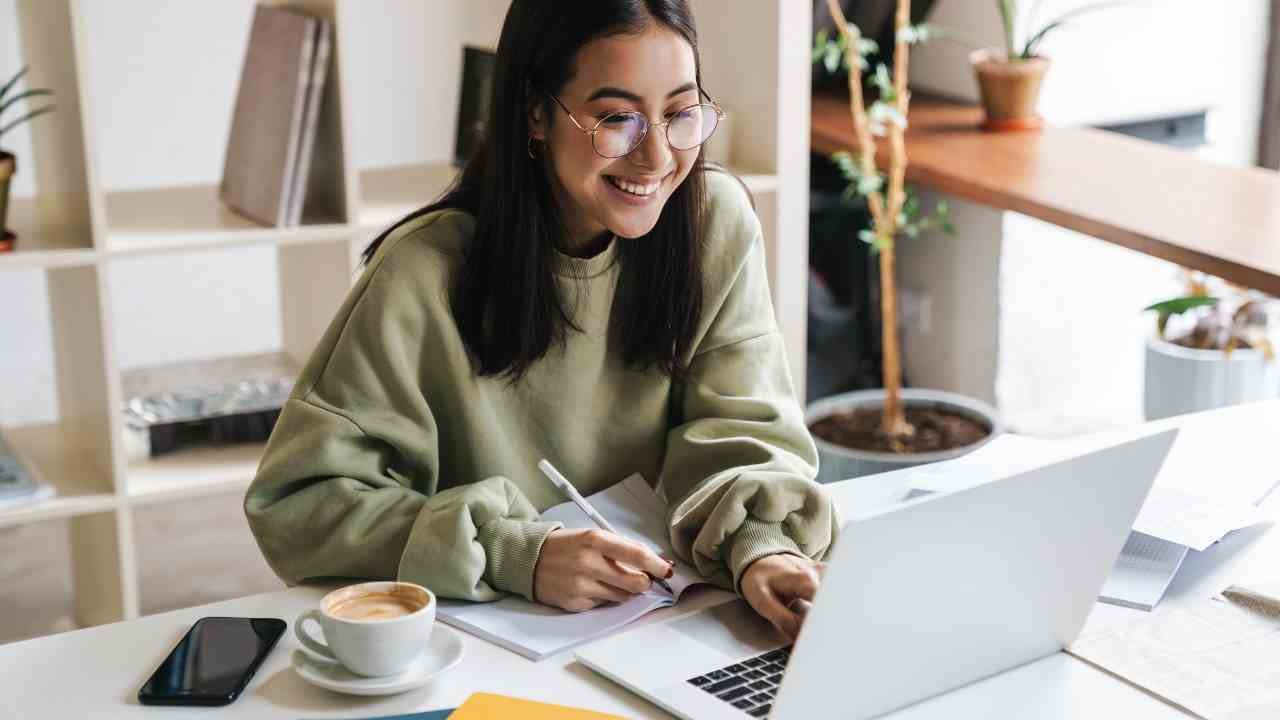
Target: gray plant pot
[[837, 462], [1180, 380]]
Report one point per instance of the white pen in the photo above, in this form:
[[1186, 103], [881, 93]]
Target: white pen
[[568, 489]]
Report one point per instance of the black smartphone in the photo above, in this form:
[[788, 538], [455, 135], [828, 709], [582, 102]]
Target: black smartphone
[[213, 662]]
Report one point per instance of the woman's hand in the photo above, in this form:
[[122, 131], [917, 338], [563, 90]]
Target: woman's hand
[[780, 588], [580, 569]]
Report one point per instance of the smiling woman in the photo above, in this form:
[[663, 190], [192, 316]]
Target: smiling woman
[[588, 292]]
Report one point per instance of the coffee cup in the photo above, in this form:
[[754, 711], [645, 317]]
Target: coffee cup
[[374, 629]]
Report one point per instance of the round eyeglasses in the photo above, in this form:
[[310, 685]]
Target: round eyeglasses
[[617, 134]]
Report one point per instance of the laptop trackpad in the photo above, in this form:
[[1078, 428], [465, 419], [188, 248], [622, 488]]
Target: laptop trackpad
[[732, 628]]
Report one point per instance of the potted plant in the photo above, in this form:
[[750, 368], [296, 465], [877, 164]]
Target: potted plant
[[1209, 350], [1009, 78], [868, 431], [9, 163]]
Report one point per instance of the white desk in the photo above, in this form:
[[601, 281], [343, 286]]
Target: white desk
[[96, 672]]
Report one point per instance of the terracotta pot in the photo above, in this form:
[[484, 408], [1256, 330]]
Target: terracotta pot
[[8, 166], [1010, 89]]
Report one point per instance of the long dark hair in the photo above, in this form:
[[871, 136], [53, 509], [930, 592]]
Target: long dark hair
[[507, 279]]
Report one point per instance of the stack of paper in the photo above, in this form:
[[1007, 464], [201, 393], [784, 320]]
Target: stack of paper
[[1170, 524]]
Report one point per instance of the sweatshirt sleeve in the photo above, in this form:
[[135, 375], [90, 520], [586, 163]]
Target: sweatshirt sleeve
[[740, 464], [349, 483]]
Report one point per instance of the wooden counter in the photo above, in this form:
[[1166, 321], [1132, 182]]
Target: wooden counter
[[1163, 202]]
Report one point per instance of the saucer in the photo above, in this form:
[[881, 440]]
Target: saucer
[[444, 650]]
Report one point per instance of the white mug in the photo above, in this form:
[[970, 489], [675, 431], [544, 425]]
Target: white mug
[[376, 646]]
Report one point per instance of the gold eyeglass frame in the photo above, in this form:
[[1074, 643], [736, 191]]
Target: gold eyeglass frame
[[649, 124]]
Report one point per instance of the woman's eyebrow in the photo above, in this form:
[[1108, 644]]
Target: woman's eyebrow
[[615, 92]]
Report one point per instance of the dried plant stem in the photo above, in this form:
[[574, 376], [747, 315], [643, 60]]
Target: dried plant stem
[[884, 209], [857, 108]]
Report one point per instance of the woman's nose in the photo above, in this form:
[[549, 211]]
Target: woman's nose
[[654, 152]]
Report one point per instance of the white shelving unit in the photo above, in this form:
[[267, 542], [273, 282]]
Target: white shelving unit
[[76, 229]]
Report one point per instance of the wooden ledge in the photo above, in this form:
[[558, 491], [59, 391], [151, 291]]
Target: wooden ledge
[[1167, 203]]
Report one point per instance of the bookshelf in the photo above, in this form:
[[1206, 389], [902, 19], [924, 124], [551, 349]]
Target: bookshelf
[[79, 230]]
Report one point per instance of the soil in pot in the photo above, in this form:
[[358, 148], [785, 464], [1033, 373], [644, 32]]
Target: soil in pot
[[936, 430]]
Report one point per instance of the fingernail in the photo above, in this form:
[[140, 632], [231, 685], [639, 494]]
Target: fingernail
[[670, 571]]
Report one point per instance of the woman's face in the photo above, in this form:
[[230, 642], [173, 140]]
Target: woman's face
[[652, 73]]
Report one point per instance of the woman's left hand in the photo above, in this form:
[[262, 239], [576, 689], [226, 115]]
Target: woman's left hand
[[780, 588]]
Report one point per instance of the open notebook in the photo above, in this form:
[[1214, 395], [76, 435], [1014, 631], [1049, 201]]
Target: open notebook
[[538, 631]]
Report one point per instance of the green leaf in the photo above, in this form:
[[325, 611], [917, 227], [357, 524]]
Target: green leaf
[[13, 81], [30, 93], [1008, 13], [1029, 50], [35, 113], [948, 228], [832, 61], [1177, 306], [884, 83]]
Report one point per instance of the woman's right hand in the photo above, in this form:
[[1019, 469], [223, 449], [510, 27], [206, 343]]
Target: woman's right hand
[[580, 569]]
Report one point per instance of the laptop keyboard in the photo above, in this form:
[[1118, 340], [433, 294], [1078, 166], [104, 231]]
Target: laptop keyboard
[[748, 685]]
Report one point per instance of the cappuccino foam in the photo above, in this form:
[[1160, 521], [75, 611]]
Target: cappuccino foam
[[375, 606]]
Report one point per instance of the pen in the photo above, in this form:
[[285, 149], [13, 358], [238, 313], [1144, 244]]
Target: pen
[[565, 487]]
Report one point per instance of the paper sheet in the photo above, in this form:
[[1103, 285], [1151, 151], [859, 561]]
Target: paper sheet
[[1214, 659], [538, 631], [1143, 572], [1193, 521]]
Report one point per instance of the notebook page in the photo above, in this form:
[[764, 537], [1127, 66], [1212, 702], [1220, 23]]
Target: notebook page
[[1143, 572], [537, 631], [635, 511]]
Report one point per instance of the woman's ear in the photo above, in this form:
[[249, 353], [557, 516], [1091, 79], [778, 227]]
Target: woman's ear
[[537, 120]]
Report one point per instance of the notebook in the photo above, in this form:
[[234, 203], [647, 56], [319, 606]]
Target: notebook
[[261, 161], [487, 706], [539, 631]]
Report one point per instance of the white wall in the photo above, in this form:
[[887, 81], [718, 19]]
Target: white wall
[[1070, 325]]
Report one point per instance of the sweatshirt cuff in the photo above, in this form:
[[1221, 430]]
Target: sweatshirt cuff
[[511, 548], [753, 540]]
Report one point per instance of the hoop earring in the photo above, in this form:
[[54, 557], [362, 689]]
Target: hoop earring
[[529, 149]]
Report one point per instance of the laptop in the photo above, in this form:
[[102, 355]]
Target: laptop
[[918, 599]]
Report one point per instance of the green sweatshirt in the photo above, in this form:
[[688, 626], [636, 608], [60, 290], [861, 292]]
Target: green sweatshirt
[[393, 459]]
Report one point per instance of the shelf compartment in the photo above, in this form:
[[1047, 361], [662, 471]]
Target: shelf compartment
[[41, 244], [54, 456], [192, 216], [197, 472], [389, 193]]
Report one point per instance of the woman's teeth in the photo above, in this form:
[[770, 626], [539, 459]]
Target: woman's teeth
[[634, 188]]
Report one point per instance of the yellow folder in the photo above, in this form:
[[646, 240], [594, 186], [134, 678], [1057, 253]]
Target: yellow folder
[[486, 706]]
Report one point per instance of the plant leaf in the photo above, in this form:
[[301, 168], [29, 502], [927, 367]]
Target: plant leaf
[[35, 113], [1008, 13], [30, 93], [1029, 49], [1177, 306], [13, 81]]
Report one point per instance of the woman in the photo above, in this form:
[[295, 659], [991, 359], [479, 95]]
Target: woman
[[586, 293]]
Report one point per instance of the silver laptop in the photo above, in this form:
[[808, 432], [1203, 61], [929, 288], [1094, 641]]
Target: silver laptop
[[918, 599]]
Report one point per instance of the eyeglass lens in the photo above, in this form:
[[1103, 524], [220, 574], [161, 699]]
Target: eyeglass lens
[[620, 133]]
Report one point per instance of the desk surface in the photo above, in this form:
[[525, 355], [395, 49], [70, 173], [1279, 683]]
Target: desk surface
[[1160, 201], [96, 672]]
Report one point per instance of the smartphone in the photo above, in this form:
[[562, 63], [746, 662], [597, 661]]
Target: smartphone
[[213, 662]]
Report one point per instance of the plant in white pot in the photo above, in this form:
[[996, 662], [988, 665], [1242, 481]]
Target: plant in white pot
[[9, 163], [1209, 350], [1009, 78], [870, 431]]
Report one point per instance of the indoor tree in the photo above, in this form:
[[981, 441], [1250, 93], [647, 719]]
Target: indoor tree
[[895, 210]]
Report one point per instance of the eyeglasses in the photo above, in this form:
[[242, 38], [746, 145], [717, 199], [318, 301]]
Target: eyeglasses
[[617, 134]]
